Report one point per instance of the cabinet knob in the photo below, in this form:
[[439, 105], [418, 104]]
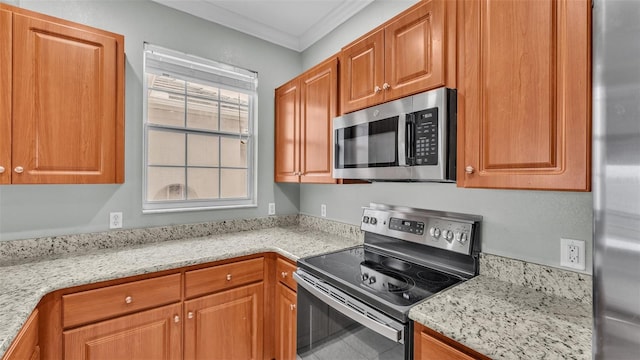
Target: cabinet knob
[[128, 300], [284, 274], [469, 169], [190, 315], [228, 277], [386, 86], [292, 306], [19, 169], [1, 169], [176, 319], [376, 89]]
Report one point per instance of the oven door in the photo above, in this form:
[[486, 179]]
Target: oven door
[[332, 325]]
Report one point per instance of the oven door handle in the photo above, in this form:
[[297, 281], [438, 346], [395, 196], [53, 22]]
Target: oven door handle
[[375, 325]]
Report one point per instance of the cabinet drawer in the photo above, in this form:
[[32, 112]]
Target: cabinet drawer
[[93, 305], [216, 278], [284, 273]]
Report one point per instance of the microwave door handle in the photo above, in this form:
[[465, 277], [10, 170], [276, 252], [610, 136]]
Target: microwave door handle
[[402, 140]]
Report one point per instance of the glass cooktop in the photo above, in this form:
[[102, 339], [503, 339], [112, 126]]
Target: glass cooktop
[[399, 282]]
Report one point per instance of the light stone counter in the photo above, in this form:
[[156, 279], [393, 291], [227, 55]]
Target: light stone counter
[[23, 285], [515, 310]]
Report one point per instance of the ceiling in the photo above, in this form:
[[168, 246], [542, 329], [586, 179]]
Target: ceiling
[[294, 24]]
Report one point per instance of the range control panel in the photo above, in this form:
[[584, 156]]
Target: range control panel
[[432, 228]]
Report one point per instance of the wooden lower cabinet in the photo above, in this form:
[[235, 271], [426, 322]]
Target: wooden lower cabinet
[[26, 344], [152, 334], [430, 345], [286, 313], [225, 325]]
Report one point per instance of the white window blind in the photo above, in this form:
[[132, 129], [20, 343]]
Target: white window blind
[[199, 128]]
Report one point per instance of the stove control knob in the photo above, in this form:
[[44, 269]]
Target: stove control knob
[[365, 276], [365, 219], [372, 280], [435, 232], [373, 221], [463, 238], [448, 235]]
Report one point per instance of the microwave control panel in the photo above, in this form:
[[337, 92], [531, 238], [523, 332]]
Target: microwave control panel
[[426, 137]]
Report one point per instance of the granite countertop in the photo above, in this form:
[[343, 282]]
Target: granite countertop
[[512, 310], [504, 320], [23, 285]]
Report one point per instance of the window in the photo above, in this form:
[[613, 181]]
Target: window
[[199, 133]]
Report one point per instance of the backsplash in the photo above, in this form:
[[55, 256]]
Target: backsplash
[[554, 281], [565, 283], [16, 251]]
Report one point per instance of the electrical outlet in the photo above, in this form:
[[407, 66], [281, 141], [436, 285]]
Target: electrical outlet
[[272, 208], [323, 210], [572, 254], [115, 220]]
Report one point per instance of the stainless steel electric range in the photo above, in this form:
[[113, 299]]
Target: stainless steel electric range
[[354, 303]]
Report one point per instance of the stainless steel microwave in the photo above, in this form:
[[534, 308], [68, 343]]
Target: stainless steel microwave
[[409, 139]]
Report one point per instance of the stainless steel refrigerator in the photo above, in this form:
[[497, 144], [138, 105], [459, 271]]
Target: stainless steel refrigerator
[[616, 179]]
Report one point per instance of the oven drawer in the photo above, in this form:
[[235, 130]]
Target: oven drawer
[[93, 305], [221, 277], [284, 273]]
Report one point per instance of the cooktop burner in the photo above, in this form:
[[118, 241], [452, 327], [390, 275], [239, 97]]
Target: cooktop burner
[[399, 282]]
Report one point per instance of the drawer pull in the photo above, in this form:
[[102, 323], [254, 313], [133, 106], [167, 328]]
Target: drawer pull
[[128, 300], [190, 315], [292, 306], [176, 319], [284, 274], [228, 277]]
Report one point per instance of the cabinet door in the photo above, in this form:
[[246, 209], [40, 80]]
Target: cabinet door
[[362, 73], [525, 95], [428, 345], [226, 325], [26, 343], [153, 334], [67, 118], [415, 51], [319, 105], [286, 313], [287, 133], [5, 96]]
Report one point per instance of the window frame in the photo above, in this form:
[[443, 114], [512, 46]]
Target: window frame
[[165, 206]]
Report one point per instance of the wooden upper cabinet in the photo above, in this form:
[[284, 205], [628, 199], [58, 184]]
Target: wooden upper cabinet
[[405, 56], [6, 30], [318, 105], [305, 108], [362, 72], [67, 101], [287, 132], [524, 95]]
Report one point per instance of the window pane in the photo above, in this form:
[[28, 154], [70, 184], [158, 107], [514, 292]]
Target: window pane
[[234, 152], [234, 118], [203, 182], [165, 184], [233, 183], [202, 150], [165, 83], [202, 114], [165, 148], [234, 97], [194, 89], [165, 108]]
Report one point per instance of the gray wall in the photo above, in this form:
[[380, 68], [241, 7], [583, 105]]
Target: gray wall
[[44, 210], [525, 225]]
